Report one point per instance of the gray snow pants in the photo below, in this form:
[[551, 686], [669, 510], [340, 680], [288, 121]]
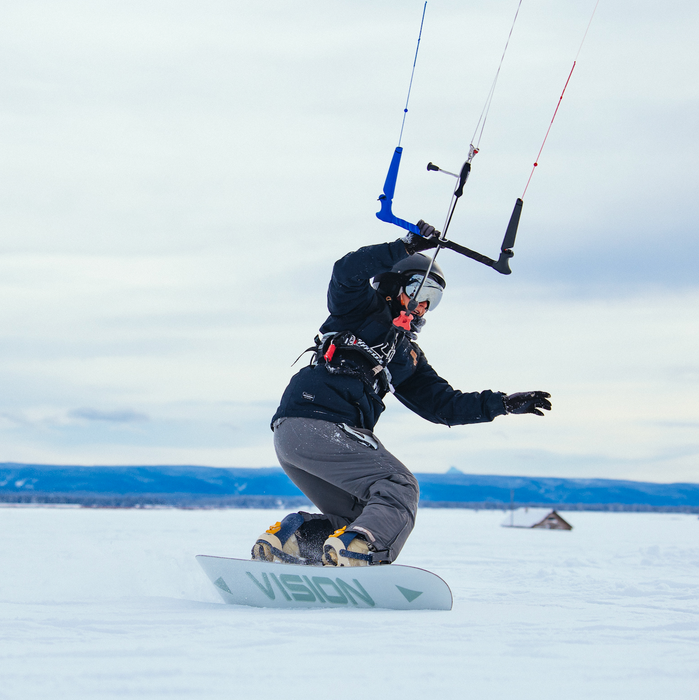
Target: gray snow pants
[[351, 478]]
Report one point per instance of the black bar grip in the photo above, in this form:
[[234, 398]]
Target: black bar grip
[[462, 250], [509, 241], [501, 265]]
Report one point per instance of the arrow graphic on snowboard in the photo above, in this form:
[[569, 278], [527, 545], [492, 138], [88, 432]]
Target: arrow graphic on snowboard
[[409, 595]]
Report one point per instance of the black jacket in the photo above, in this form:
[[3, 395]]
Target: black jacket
[[356, 306]]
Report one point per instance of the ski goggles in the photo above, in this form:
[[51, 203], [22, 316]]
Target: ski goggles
[[431, 291]]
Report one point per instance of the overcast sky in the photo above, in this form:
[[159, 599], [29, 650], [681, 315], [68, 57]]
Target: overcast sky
[[178, 177]]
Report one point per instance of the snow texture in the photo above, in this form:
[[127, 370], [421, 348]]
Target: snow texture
[[111, 603]]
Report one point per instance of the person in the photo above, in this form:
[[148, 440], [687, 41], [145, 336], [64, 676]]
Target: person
[[323, 429]]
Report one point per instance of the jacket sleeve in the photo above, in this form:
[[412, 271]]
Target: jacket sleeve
[[432, 398], [349, 291]]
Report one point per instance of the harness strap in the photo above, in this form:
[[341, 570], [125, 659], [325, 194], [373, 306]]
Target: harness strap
[[376, 375]]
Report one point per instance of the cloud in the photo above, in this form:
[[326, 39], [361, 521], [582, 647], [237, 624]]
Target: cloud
[[92, 414], [178, 180]]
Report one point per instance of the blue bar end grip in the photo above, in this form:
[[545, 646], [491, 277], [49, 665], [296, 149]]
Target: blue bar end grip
[[386, 199]]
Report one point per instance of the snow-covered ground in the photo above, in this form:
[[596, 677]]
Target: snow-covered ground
[[111, 603]]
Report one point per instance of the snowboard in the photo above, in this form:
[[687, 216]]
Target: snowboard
[[265, 584]]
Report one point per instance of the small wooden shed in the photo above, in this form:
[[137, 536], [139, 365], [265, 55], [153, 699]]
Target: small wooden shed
[[542, 518]]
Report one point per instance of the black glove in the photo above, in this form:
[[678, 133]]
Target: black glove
[[528, 402], [426, 239]]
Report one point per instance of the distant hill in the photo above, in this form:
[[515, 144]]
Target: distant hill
[[600, 493], [193, 486], [119, 486]]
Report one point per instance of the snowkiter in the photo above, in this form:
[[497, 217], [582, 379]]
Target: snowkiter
[[323, 428]]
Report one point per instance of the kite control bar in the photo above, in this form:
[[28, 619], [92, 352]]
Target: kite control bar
[[501, 265], [385, 213]]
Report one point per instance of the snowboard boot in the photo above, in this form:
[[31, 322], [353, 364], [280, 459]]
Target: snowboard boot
[[294, 540], [279, 542], [346, 549]]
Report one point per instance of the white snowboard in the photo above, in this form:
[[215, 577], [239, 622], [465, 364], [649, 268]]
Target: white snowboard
[[273, 585]]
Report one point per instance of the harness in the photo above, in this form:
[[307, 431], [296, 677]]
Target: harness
[[346, 354]]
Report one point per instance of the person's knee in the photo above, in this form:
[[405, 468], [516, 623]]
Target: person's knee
[[411, 485], [413, 488], [403, 490]]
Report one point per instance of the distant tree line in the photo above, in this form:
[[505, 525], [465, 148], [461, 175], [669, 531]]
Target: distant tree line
[[151, 501], [187, 501], [608, 507]]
